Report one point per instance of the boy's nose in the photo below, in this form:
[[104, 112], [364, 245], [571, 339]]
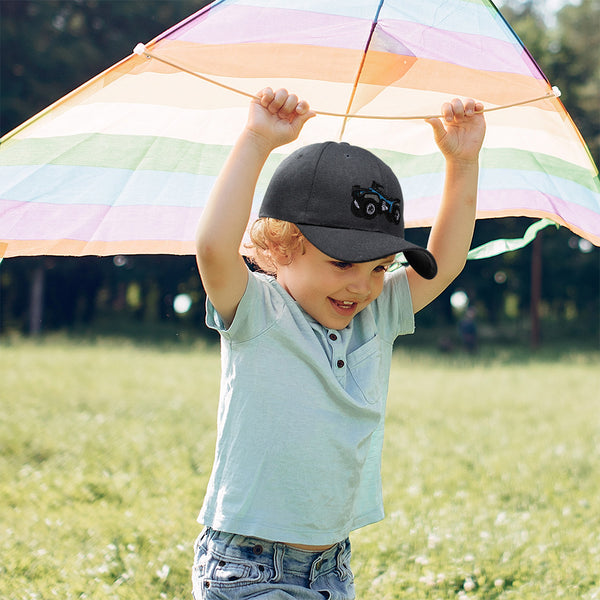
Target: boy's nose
[[360, 287]]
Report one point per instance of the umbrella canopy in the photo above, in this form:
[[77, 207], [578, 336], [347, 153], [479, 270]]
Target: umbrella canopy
[[125, 163]]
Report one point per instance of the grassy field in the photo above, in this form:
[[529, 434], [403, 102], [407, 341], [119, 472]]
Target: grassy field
[[491, 473]]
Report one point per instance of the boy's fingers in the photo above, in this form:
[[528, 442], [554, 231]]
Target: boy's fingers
[[447, 111], [303, 110], [469, 107], [302, 107], [305, 116], [458, 108], [289, 106], [265, 96], [439, 131], [278, 101]]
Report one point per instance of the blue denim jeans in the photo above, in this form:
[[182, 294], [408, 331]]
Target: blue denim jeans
[[234, 567]]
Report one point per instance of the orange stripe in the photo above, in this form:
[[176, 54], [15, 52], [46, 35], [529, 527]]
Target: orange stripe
[[97, 248], [339, 65]]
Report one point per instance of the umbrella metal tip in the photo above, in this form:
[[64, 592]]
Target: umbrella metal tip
[[139, 49]]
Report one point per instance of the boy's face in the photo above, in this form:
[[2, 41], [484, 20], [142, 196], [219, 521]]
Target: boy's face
[[330, 291]]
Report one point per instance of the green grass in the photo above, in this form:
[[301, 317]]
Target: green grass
[[490, 473]]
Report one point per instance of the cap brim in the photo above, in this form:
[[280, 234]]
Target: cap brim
[[355, 245]]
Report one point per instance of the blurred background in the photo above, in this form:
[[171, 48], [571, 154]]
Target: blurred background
[[546, 293]]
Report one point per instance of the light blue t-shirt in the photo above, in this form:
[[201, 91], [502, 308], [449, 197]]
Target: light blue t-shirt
[[301, 412]]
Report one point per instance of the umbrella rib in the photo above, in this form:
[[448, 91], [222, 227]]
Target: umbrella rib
[[140, 49]]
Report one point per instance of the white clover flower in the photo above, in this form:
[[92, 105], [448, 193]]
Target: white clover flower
[[469, 585], [163, 572]]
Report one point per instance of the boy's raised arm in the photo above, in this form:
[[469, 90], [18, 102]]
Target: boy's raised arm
[[275, 119], [459, 139]]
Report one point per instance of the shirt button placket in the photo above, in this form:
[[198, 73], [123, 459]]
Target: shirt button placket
[[339, 362]]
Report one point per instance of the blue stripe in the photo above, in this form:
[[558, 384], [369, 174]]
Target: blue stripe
[[453, 15], [58, 184], [431, 184], [94, 185]]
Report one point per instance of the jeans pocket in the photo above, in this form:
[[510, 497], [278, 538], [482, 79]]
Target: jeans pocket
[[229, 571], [226, 572]]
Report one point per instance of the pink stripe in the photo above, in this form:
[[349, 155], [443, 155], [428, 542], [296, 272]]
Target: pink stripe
[[29, 220], [466, 49], [247, 25], [516, 203]]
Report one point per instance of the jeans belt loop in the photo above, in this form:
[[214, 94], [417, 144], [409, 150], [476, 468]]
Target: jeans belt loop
[[278, 551]]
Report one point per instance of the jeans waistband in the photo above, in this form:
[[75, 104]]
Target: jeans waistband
[[278, 555]]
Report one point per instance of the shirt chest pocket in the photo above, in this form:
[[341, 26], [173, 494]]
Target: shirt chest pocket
[[365, 381]]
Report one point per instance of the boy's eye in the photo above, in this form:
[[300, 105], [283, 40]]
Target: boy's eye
[[341, 265], [381, 268]]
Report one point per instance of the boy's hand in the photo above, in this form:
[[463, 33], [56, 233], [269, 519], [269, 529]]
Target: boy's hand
[[277, 117], [461, 134]]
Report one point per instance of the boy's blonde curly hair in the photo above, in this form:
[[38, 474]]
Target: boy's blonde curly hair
[[274, 242]]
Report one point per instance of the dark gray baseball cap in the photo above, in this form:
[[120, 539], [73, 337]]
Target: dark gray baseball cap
[[347, 202]]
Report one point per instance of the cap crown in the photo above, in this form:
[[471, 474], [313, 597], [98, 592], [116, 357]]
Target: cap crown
[[336, 185]]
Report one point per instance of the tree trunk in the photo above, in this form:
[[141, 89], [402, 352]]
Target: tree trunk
[[36, 300], [536, 290]]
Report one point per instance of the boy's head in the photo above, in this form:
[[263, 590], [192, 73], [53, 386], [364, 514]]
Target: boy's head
[[345, 201]]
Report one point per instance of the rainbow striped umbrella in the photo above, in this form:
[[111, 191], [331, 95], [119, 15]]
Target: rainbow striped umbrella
[[124, 164]]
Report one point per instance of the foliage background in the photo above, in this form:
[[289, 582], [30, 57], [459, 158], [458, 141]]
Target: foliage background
[[49, 47]]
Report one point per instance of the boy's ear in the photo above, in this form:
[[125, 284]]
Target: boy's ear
[[281, 256], [284, 254]]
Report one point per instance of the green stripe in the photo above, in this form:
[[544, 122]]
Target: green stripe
[[522, 160], [116, 152], [122, 152], [509, 245], [180, 156], [406, 165]]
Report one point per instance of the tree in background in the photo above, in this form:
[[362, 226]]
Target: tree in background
[[574, 63], [50, 47]]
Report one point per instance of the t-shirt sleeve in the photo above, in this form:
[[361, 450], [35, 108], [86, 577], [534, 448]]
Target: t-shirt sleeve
[[257, 310]]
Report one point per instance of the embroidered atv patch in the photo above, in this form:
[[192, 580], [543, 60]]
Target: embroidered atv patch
[[368, 202]]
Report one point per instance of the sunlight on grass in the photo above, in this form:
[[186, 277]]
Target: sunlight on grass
[[490, 474]]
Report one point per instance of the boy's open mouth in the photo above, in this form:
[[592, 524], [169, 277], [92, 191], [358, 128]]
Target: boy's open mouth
[[343, 306]]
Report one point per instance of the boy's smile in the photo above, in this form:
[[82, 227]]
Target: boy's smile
[[331, 291]]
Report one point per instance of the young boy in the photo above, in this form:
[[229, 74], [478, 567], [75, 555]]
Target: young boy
[[306, 351]]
